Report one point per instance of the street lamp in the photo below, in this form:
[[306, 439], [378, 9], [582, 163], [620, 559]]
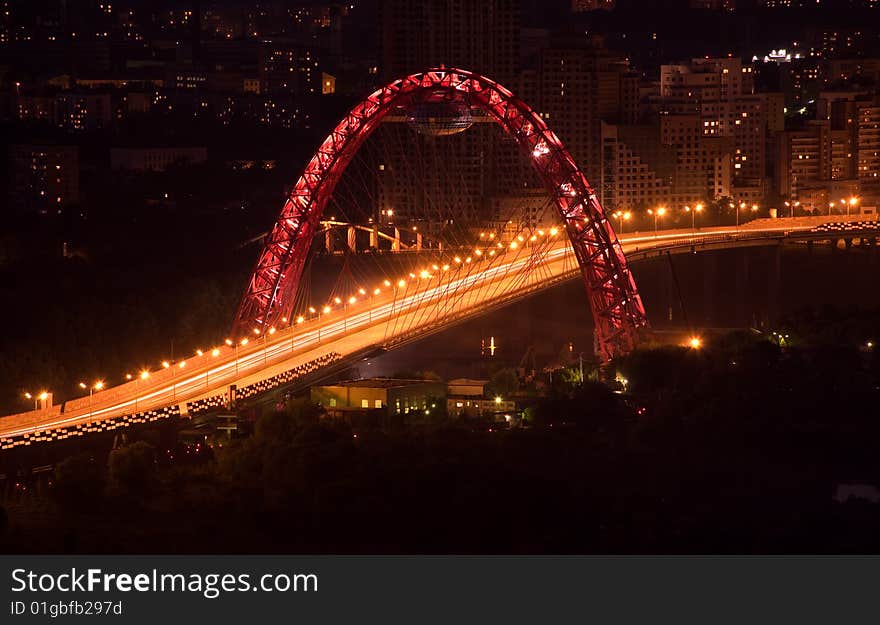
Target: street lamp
[[622, 216], [693, 211], [42, 396], [853, 201], [97, 386], [657, 214], [143, 375], [742, 206]]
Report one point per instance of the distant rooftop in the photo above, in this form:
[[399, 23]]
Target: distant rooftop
[[382, 382], [467, 382]]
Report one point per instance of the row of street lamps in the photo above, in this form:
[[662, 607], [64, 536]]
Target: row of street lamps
[[658, 213], [143, 375], [623, 216]]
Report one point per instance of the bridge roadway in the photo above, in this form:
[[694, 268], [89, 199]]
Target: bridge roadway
[[392, 317]]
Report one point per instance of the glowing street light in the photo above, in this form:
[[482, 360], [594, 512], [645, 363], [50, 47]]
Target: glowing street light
[[97, 386], [693, 211], [143, 376], [42, 396], [695, 342], [853, 201], [622, 217], [657, 215], [742, 206]]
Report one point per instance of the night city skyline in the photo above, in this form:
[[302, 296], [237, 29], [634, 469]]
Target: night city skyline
[[581, 276]]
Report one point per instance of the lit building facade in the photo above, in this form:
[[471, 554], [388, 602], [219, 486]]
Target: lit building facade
[[43, 178]]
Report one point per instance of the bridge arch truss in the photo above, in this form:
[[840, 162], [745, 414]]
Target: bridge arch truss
[[617, 308]]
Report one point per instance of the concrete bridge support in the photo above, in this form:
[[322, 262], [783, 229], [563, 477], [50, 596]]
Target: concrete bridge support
[[352, 239], [742, 288], [671, 293], [710, 272], [774, 282]]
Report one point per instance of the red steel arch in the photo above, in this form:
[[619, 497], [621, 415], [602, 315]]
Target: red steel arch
[[615, 302]]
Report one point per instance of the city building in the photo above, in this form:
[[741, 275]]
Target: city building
[[155, 159], [834, 156], [804, 162], [466, 399], [288, 67], [83, 111], [578, 6], [375, 401], [43, 178], [722, 92], [869, 148], [398, 395], [480, 36]]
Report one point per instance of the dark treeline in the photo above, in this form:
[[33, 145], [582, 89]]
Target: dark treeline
[[737, 447]]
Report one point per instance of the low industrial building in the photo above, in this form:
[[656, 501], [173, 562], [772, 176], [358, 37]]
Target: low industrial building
[[353, 400], [388, 401], [466, 399]]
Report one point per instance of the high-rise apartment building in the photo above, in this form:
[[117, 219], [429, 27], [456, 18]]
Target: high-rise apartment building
[[481, 36], [722, 93], [869, 148], [804, 159], [578, 6], [581, 85], [43, 178], [287, 67]]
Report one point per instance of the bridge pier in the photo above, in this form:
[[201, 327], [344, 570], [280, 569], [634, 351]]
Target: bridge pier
[[710, 271], [374, 237], [774, 279], [352, 239], [742, 287], [395, 244], [328, 241]]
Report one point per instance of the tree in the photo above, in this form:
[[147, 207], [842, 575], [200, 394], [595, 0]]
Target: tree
[[503, 382], [79, 481], [133, 468]]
